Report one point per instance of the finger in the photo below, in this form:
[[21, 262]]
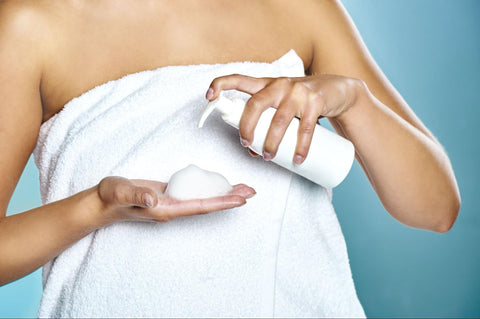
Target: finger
[[254, 108], [143, 197], [243, 190], [171, 208], [158, 187], [280, 122], [251, 152], [304, 137], [238, 82], [126, 193]]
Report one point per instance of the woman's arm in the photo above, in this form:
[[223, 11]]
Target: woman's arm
[[406, 166], [29, 239]]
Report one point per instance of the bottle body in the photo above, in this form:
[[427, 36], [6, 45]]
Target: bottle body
[[329, 158]]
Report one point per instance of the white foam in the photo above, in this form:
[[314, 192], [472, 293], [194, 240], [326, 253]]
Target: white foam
[[193, 182]]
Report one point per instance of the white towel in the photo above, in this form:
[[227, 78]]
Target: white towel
[[282, 254]]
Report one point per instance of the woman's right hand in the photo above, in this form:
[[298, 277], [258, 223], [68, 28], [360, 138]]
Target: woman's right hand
[[144, 200]]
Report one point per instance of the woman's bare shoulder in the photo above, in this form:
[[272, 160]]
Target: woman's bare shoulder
[[30, 33], [19, 15], [23, 40], [25, 27]]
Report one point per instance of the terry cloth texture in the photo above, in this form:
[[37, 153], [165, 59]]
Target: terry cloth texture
[[282, 254]]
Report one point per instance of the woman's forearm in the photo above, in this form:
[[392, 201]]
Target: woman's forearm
[[410, 172], [30, 239]]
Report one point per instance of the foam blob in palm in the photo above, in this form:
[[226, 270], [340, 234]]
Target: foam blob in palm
[[193, 182]]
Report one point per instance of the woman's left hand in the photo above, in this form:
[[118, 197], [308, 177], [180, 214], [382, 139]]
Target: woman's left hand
[[308, 98]]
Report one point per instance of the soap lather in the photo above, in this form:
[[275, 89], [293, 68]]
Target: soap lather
[[192, 182], [329, 158]]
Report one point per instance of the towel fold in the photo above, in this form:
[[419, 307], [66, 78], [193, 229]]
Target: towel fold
[[282, 254]]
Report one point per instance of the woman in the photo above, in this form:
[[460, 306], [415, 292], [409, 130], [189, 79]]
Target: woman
[[78, 46]]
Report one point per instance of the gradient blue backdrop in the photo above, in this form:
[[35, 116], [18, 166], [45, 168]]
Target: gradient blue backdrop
[[430, 50]]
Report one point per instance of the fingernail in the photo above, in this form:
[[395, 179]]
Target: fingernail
[[147, 199], [209, 93], [267, 156], [244, 142], [298, 159]]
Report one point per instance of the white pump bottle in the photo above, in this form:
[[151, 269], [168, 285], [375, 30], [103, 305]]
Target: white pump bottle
[[329, 158]]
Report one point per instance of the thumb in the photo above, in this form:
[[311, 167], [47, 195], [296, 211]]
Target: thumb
[[143, 197], [253, 153], [121, 191], [126, 193]]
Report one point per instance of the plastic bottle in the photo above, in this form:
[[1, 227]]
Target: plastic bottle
[[329, 158]]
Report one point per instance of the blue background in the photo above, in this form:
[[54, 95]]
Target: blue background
[[430, 50]]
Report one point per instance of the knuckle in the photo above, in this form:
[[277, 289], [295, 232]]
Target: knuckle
[[315, 97], [283, 81], [299, 88], [306, 129], [312, 95], [117, 194], [219, 81], [281, 119], [317, 101], [254, 102], [216, 82]]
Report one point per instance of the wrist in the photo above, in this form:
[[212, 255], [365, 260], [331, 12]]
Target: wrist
[[358, 107], [94, 214]]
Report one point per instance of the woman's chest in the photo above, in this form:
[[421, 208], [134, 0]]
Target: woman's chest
[[92, 49]]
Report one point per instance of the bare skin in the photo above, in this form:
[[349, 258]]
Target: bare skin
[[52, 51]]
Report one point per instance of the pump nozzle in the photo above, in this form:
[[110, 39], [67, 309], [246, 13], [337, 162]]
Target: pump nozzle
[[208, 110], [231, 110]]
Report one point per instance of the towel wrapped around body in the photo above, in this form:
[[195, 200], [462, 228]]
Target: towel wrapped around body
[[282, 254]]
